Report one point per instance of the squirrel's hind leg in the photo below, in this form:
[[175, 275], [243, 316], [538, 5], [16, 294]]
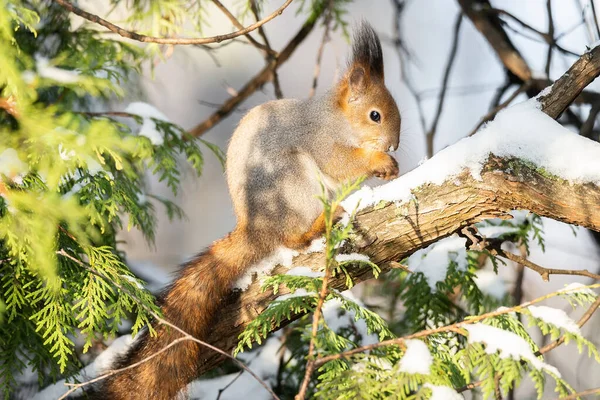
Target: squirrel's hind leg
[[316, 230]]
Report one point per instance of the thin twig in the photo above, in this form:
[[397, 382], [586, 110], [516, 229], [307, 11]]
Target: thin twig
[[550, 36], [490, 115], [400, 51], [588, 126], [544, 272], [238, 25], [593, 6], [324, 40], [272, 54], [580, 394], [259, 79], [185, 336], [224, 388], [162, 40], [546, 37], [431, 134], [310, 364]]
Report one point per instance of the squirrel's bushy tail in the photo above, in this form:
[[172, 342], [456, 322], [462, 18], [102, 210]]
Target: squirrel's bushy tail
[[190, 303]]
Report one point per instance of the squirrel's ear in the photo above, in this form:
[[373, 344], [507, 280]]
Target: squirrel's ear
[[357, 81]]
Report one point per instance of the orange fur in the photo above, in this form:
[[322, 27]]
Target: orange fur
[[190, 304]]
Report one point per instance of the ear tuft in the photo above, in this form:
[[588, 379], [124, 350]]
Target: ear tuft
[[357, 80], [366, 50]]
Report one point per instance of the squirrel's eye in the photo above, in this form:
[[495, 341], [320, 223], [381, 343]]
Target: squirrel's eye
[[375, 116]]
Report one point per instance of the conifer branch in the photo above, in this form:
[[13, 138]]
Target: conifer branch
[[185, 337], [456, 327], [172, 41]]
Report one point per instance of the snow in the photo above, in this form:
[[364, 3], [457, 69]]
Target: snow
[[101, 363], [93, 166], [337, 318], [316, 246], [45, 70], [433, 261], [281, 256], [12, 166], [417, 359], [509, 344], [443, 393], [495, 231], [490, 283], [577, 287], [305, 271], [522, 131], [351, 257], [148, 113], [64, 154], [264, 362], [556, 317]]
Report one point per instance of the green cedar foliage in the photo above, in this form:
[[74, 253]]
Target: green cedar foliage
[[456, 361], [70, 179]]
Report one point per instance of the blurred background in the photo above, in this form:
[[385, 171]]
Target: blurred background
[[419, 39]]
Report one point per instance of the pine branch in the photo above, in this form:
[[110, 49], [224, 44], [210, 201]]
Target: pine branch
[[172, 41]]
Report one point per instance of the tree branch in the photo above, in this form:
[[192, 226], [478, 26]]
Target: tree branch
[[259, 79], [392, 232], [152, 39]]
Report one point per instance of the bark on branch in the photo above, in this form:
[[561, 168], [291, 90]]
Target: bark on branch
[[393, 232]]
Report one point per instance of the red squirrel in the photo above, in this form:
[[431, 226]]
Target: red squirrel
[[277, 157]]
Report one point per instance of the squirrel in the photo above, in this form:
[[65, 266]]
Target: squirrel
[[277, 158]]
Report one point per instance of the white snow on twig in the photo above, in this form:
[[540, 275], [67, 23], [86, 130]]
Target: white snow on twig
[[556, 317], [148, 113], [61, 75], [508, 344], [416, 359], [577, 287], [443, 393], [434, 260], [522, 131]]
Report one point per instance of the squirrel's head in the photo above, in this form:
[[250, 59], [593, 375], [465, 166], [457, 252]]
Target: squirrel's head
[[363, 97]]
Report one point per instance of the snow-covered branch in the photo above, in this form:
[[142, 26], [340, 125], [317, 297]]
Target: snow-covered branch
[[522, 160]]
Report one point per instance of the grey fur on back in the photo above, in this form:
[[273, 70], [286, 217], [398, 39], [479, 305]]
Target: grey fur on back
[[273, 162]]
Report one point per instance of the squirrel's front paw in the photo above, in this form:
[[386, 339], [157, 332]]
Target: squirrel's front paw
[[384, 166]]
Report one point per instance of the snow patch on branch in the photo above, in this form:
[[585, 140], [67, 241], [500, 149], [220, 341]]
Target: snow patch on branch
[[443, 393], [522, 131], [416, 359], [556, 317], [509, 344], [61, 75], [96, 368], [577, 287], [352, 257], [282, 256], [148, 113], [434, 260]]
